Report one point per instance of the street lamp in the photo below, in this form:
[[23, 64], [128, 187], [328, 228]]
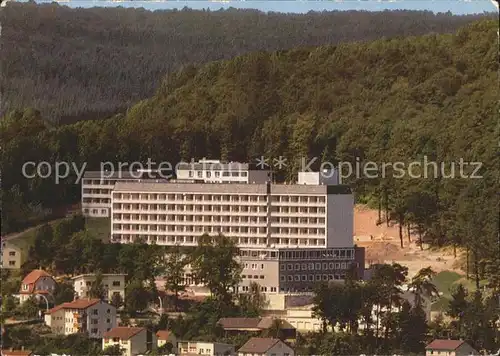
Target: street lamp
[[161, 305], [46, 301]]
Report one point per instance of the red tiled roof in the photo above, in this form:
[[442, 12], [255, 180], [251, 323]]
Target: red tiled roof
[[122, 332], [31, 279], [258, 345], [440, 344], [76, 304], [16, 353], [163, 334], [34, 275]]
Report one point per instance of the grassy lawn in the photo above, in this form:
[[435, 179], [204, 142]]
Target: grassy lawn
[[445, 282], [99, 227], [24, 240]]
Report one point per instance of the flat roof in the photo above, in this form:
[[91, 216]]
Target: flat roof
[[224, 188]]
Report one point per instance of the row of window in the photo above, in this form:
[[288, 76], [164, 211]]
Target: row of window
[[244, 276], [97, 191], [190, 228], [194, 239], [189, 218], [317, 254], [236, 230], [228, 198], [217, 174], [96, 200], [313, 266], [311, 277], [262, 289], [217, 218], [162, 208], [171, 197]]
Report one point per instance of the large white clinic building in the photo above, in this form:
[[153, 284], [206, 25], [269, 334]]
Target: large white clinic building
[[258, 215]]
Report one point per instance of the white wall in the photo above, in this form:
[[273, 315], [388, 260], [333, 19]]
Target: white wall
[[340, 220], [318, 178]]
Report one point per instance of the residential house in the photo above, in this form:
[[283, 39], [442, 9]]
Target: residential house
[[233, 326], [440, 347], [258, 346], [164, 336], [37, 282], [13, 256], [91, 316], [112, 283], [185, 348], [16, 353], [133, 340]]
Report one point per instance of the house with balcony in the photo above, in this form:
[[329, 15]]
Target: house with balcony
[[91, 316], [187, 348], [36, 283], [258, 346], [441, 347], [112, 283], [133, 340]]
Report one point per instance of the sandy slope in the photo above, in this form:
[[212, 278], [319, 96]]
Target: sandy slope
[[383, 246]]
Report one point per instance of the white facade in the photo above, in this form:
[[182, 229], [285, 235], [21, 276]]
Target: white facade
[[214, 171], [96, 191], [204, 348], [112, 283], [258, 215], [133, 340], [94, 317], [326, 177]]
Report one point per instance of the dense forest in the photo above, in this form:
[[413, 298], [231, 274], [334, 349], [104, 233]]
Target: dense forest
[[74, 64], [388, 100]]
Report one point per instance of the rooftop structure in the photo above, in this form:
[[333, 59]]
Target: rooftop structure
[[215, 171]]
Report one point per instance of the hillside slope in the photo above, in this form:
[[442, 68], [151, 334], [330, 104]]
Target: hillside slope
[[87, 63], [402, 100]]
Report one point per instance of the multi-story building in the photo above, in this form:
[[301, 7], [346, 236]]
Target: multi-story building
[[297, 269], [132, 340], [36, 283], [91, 316], [97, 188], [258, 215], [13, 256], [214, 171], [112, 283], [204, 348]]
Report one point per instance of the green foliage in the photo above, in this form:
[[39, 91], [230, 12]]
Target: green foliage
[[97, 288], [138, 297], [174, 272], [134, 48], [64, 292], [113, 350], [214, 264], [29, 309], [252, 303], [116, 300]]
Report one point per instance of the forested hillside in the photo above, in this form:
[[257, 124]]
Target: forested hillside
[[75, 64], [383, 101]]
